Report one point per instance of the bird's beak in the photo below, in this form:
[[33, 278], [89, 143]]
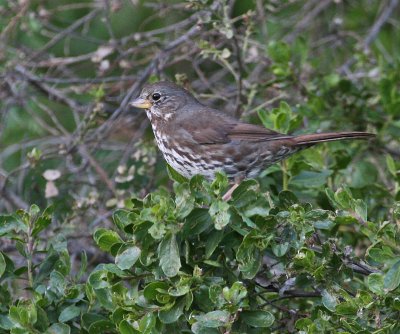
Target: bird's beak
[[141, 103]]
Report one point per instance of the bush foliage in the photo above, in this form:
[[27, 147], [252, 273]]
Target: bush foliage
[[98, 235]]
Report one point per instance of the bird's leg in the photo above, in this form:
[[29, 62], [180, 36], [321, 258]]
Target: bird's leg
[[228, 195]]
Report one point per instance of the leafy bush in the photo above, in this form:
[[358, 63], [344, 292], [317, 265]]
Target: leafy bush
[[193, 262], [124, 244]]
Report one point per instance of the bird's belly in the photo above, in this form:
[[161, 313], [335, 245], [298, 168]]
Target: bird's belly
[[185, 160], [189, 164], [237, 160]]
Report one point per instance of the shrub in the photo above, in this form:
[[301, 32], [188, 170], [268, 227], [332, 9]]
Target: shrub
[[124, 244], [192, 262]]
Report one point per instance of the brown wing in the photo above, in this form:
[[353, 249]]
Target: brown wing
[[251, 132], [219, 128]]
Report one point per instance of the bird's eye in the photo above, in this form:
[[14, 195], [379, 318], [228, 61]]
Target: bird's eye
[[156, 96]]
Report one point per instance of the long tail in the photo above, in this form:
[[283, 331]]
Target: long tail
[[315, 138]]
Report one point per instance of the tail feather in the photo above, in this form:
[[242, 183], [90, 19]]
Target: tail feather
[[311, 139]]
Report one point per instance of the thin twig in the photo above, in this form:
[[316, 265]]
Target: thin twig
[[65, 32], [372, 33]]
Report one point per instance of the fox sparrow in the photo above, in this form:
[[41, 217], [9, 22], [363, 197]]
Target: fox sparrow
[[196, 139]]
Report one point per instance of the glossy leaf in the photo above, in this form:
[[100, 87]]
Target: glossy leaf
[[128, 257], [258, 318], [168, 253]]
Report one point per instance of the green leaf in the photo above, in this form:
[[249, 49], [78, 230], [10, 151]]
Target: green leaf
[[216, 296], [83, 265], [172, 315], [127, 258], [58, 328], [198, 328], [88, 319], [375, 283], [5, 322], [25, 313], [183, 199], [332, 79], [381, 255], [151, 290], [57, 281], [346, 308], [174, 175], [125, 327], [47, 266], [147, 323], [121, 219], [219, 183], [392, 277], [266, 118], [280, 249], [214, 319], [309, 179], [105, 239], [364, 175], [258, 318], [396, 211], [396, 304], [2, 264], [105, 298], [320, 218], [249, 256], [344, 198], [212, 243], [305, 259], [283, 116], [304, 324], [279, 51], [98, 279], [361, 209], [113, 268], [246, 193], [328, 300], [196, 222], [391, 165], [42, 322], [180, 289], [287, 198], [101, 326], [157, 230], [42, 221], [34, 210], [235, 294], [168, 253], [219, 212], [69, 313], [10, 224]]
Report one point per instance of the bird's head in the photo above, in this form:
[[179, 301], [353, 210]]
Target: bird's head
[[163, 100]]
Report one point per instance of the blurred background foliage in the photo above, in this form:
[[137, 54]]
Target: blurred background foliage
[[69, 140]]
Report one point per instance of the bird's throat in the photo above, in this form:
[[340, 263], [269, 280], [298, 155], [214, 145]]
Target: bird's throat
[[158, 115]]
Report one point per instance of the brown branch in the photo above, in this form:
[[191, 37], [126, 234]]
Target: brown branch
[[65, 32], [319, 7], [14, 21], [16, 201], [96, 166], [288, 294], [52, 92], [373, 32]]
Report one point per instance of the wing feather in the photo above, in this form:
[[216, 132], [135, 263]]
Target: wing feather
[[224, 129], [212, 127]]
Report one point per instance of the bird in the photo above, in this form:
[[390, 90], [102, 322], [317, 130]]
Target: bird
[[197, 139]]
